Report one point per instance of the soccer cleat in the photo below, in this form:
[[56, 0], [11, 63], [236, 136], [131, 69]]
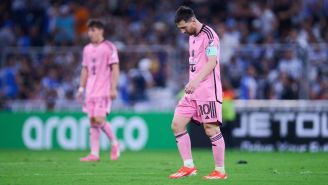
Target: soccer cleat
[[90, 158], [115, 153], [184, 172], [216, 175]]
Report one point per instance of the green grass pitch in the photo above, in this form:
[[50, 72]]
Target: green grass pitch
[[153, 167]]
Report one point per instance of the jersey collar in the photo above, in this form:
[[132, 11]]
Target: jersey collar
[[203, 26]]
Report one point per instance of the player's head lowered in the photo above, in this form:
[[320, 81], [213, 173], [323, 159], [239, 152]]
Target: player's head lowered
[[96, 30], [185, 20]]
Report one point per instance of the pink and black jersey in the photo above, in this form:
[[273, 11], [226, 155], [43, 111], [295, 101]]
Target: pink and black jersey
[[210, 88], [97, 59]]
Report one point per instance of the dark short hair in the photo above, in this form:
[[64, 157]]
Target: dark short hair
[[184, 13], [96, 23]]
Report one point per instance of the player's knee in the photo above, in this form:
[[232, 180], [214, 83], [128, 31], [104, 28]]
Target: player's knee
[[210, 131], [94, 124], [176, 128], [92, 121], [97, 120]]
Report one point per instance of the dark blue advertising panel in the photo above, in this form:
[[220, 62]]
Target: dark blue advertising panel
[[297, 129]]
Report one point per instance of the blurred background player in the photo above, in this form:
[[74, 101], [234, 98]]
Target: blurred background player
[[203, 100], [99, 78]]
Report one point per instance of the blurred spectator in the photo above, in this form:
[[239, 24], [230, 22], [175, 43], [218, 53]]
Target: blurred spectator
[[64, 26], [290, 90], [264, 85], [7, 37], [26, 78], [266, 19], [286, 12], [8, 82], [248, 86], [51, 80], [81, 17], [35, 38], [229, 42], [290, 64], [235, 71], [23, 39], [141, 79]]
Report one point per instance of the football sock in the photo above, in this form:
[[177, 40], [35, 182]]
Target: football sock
[[184, 146], [188, 163], [94, 139], [220, 169], [218, 148], [106, 128]]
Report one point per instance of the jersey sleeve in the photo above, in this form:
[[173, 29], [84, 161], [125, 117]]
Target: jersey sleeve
[[113, 58], [212, 46], [84, 58]]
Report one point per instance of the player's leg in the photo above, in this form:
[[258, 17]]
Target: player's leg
[[94, 142], [106, 128], [182, 116], [102, 109], [94, 135], [213, 131], [183, 140], [212, 118], [179, 124]]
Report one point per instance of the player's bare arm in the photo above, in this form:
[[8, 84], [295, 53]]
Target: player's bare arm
[[83, 82], [206, 70], [114, 76]]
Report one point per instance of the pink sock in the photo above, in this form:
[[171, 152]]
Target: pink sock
[[94, 139], [105, 127], [218, 148], [184, 145]]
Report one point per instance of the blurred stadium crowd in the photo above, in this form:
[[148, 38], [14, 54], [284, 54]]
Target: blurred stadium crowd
[[270, 49]]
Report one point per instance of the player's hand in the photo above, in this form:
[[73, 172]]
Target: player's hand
[[191, 86], [79, 94], [113, 94]]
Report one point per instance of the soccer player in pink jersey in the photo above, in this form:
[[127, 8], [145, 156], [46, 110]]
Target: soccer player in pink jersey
[[99, 76], [203, 94]]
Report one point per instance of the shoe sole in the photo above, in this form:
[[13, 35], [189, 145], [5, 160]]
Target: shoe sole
[[217, 178], [194, 173], [89, 161]]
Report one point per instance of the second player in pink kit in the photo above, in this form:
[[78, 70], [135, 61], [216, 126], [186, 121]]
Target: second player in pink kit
[[203, 95], [99, 77]]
